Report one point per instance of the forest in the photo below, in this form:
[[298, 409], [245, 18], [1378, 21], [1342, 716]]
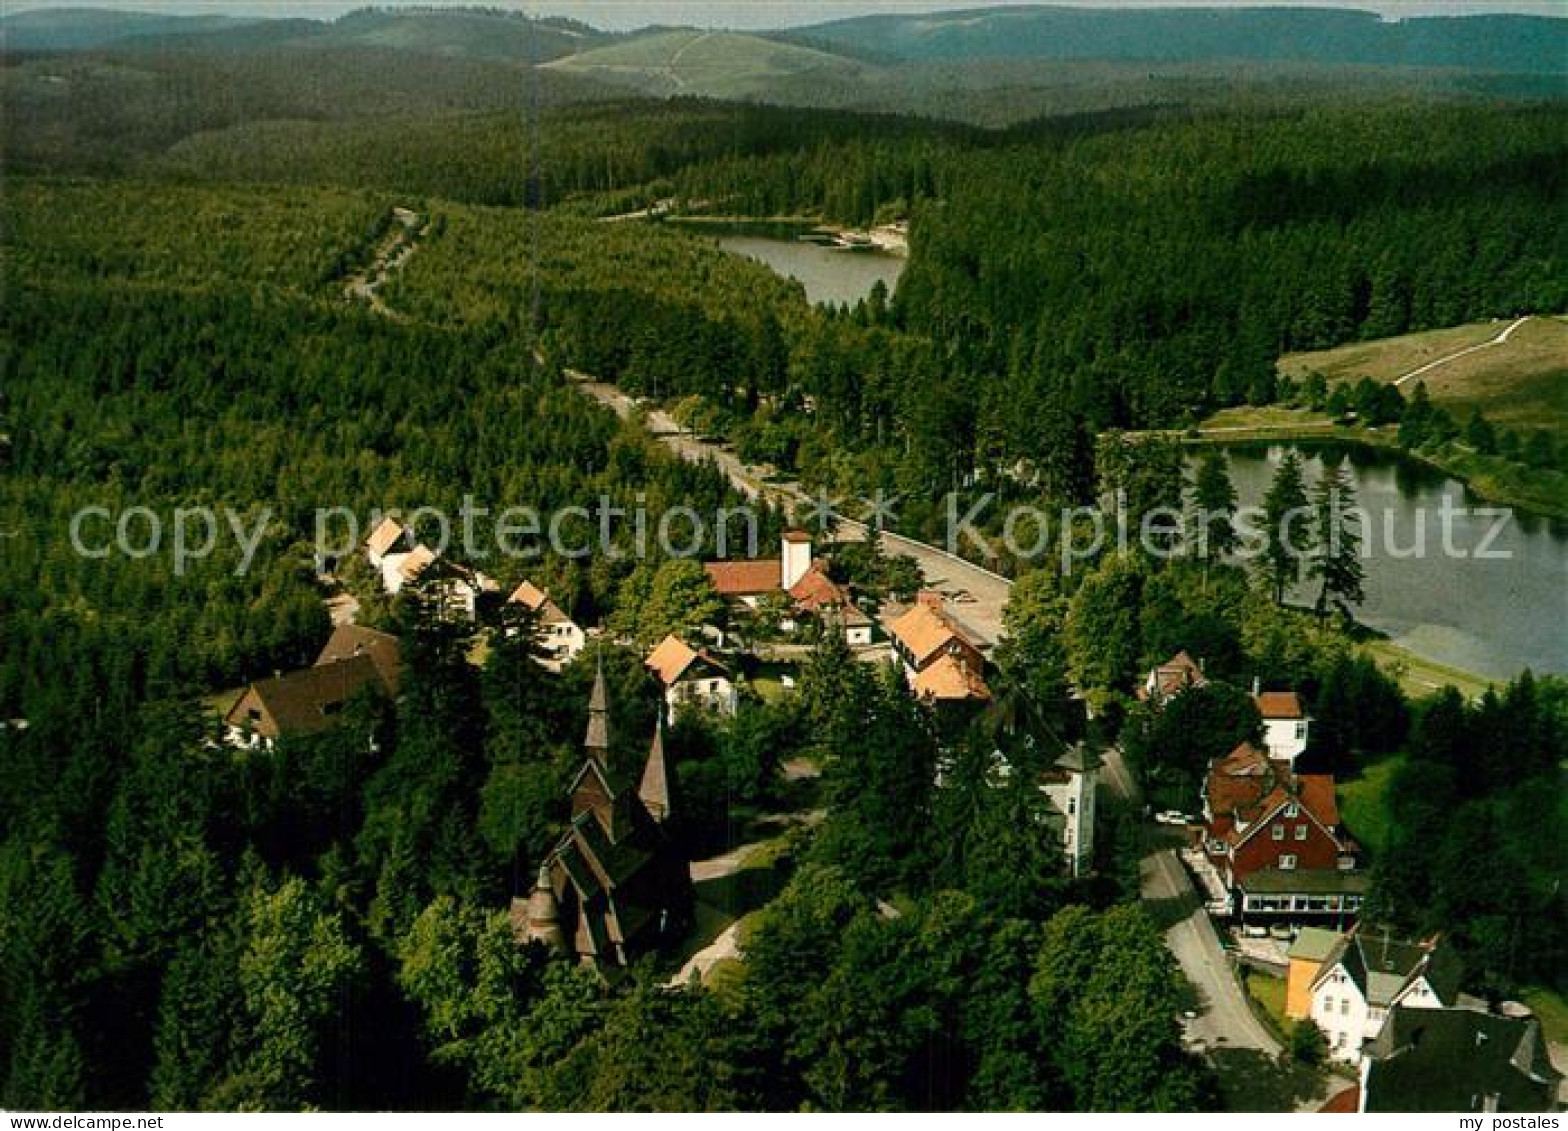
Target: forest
[[323, 924]]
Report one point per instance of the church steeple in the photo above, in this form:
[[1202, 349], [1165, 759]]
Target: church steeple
[[597, 741], [655, 787]]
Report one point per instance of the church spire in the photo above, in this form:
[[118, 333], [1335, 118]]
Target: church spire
[[655, 788], [597, 741]]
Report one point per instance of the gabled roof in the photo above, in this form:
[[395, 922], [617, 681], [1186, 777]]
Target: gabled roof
[[349, 640], [1279, 705], [924, 631], [303, 702], [750, 578], [384, 536], [1314, 944], [416, 561], [1381, 966], [1176, 674], [673, 658], [536, 600], [816, 590], [948, 679], [1445, 1060]]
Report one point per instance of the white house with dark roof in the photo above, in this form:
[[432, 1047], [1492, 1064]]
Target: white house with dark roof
[[1069, 786], [1366, 975]]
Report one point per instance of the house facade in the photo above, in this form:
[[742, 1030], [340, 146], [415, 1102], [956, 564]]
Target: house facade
[[799, 583], [559, 638], [1366, 975], [1069, 785], [1274, 839], [1285, 724], [940, 661], [692, 679], [306, 702]]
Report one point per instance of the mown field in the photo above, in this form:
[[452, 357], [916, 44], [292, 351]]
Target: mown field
[[1521, 383]]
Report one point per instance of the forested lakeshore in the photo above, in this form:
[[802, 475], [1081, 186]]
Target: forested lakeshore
[[189, 927]]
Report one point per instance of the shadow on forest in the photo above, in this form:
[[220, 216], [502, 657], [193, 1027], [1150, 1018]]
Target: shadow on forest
[[1250, 1080]]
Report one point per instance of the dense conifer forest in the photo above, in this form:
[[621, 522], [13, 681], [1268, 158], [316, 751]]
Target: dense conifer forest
[[187, 926]]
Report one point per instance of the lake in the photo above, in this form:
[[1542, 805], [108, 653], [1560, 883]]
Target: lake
[[1490, 615], [828, 274]]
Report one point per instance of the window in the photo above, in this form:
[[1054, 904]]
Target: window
[[1301, 832], [1279, 832], [1301, 730], [1287, 862], [1293, 810], [1328, 1005], [1344, 1007]]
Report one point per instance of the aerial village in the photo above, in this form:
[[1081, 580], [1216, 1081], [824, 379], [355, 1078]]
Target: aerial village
[[1276, 879]]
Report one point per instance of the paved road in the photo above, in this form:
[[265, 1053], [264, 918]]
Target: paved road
[[1224, 1019], [976, 596]]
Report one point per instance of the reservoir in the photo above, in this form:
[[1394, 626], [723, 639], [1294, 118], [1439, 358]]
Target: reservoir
[[1498, 609], [829, 275]]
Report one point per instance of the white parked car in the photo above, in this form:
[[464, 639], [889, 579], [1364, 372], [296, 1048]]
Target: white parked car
[[1172, 817]]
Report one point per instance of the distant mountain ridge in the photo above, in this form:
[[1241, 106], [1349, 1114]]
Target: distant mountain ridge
[[1494, 43]]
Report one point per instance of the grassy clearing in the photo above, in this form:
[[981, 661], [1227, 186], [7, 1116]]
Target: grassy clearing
[[1420, 677], [220, 703], [1552, 1009], [1522, 383], [1269, 992], [1363, 802]]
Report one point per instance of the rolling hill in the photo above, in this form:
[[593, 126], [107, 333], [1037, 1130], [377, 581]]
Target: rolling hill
[[83, 29], [1502, 43], [710, 64]]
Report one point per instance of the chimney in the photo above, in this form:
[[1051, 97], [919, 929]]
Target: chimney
[[1257, 687], [795, 558]]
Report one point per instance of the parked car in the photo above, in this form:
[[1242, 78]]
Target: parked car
[[1254, 931], [1282, 931], [1172, 817]]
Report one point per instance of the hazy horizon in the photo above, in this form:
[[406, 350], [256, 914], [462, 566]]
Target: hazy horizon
[[754, 14]]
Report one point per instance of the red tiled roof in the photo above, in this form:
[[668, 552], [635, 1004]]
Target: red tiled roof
[[1317, 795], [949, 680], [674, 657], [1176, 674], [1279, 705], [1346, 1102], [815, 589], [746, 578]]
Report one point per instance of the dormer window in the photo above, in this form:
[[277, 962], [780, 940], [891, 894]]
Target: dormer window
[[1293, 810]]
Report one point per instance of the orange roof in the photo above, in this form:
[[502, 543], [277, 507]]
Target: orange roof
[[1239, 781], [815, 589], [415, 561], [948, 679], [749, 578], [536, 600], [670, 659], [925, 631], [1279, 705], [1317, 794], [384, 536]]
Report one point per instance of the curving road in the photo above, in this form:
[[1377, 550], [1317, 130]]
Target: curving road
[[976, 596]]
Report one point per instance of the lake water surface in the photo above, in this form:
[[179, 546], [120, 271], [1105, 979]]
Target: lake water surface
[[1491, 615], [828, 274]]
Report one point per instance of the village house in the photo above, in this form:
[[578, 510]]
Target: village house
[[1360, 977], [307, 702], [1171, 678], [559, 638], [797, 582], [691, 678], [1463, 1059], [940, 660], [396, 553], [1069, 785], [1273, 839], [615, 886], [1285, 724]]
